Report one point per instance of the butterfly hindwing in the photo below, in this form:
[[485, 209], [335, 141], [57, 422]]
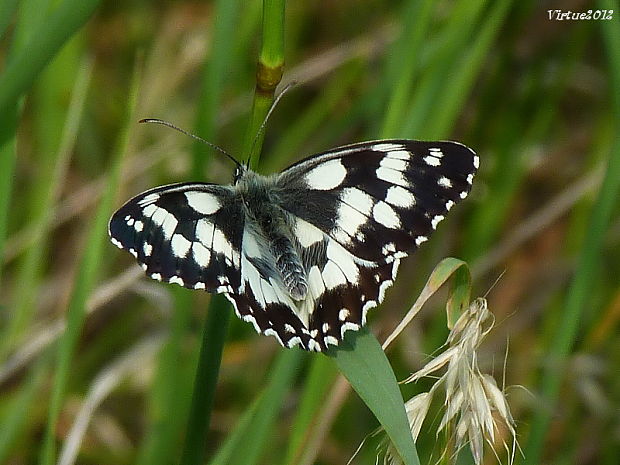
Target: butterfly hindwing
[[189, 234]]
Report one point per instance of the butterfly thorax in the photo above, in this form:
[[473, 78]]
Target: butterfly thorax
[[266, 218]]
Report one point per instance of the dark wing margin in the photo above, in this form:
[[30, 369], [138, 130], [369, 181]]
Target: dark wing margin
[[368, 205], [189, 234]]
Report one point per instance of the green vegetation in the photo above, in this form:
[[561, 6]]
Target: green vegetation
[[100, 365]]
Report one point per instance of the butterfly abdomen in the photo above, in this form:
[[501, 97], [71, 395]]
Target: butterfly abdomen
[[290, 267]]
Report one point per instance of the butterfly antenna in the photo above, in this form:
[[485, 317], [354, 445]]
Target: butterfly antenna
[[194, 136], [261, 129]]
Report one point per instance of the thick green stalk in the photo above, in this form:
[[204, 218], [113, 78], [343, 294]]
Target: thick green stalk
[[271, 62], [268, 76]]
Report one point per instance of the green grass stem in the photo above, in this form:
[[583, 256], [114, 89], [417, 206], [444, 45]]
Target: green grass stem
[[588, 261], [249, 441], [219, 313], [21, 72], [8, 156], [87, 274], [217, 71], [53, 160]]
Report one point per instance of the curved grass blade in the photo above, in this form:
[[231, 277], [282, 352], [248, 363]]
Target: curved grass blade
[[362, 361]]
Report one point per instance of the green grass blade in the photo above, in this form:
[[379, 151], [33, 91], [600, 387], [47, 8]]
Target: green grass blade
[[41, 47], [440, 68], [53, 161], [8, 156], [456, 90], [89, 266], [249, 441], [214, 337], [299, 131], [589, 259], [217, 70], [7, 10], [403, 64], [15, 420], [362, 361], [318, 382], [169, 393], [219, 313]]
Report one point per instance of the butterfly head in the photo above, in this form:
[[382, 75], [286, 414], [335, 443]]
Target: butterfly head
[[240, 171]]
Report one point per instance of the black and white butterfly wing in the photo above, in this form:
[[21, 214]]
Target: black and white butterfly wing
[[353, 213], [188, 233], [359, 209]]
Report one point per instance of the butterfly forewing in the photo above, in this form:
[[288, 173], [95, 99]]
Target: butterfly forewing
[[351, 214], [189, 234]]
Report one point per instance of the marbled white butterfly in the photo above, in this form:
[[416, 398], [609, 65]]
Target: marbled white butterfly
[[303, 254]]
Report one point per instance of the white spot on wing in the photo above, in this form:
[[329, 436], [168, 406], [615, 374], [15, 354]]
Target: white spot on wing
[[476, 161], [169, 226], [176, 280], [348, 326], [326, 176], [436, 152], [432, 161], [394, 163], [399, 154], [148, 200], [180, 245], [435, 221], [349, 220], [147, 249], [400, 197], [444, 182], [204, 232], [314, 346], [158, 215], [386, 147], [330, 340], [385, 215], [306, 233], [333, 276], [138, 226], [343, 314], [392, 176], [358, 199], [316, 286], [344, 260], [420, 239], [203, 202], [202, 255]]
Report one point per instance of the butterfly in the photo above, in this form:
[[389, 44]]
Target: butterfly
[[303, 254]]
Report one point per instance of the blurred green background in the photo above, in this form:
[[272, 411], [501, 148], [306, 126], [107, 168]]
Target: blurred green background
[[98, 363]]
